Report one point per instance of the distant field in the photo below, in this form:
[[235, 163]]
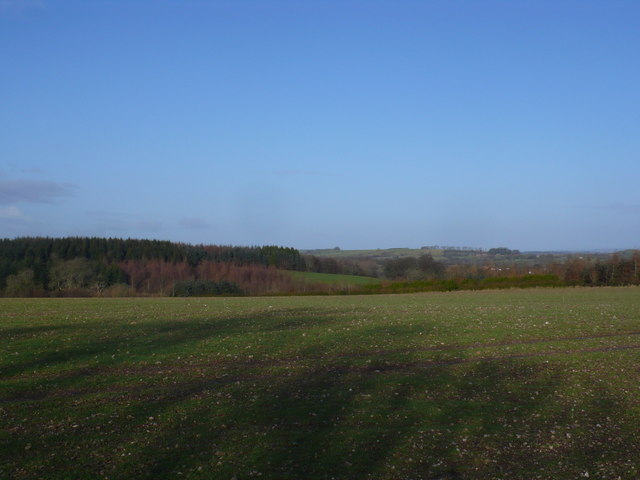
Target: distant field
[[519, 384], [336, 279], [380, 253]]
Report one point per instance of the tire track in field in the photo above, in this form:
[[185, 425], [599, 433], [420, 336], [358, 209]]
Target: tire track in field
[[503, 343], [133, 370], [496, 358], [164, 392]]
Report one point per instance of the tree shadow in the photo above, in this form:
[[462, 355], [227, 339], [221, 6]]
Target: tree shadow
[[144, 339], [340, 421], [315, 416]]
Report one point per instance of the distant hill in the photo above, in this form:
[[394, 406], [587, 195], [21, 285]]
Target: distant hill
[[444, 253], [375, 254], [82, 266]]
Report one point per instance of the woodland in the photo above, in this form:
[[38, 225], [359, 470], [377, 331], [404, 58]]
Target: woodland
[[83, 266]]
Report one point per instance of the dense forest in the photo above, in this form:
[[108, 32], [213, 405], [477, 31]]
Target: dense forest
[[81, 266]]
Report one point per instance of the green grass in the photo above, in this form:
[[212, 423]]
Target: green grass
[[520, 384], [336, 280]]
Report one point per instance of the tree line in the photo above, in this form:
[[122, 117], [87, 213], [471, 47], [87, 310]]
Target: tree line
[[80, 266], [77, 265]]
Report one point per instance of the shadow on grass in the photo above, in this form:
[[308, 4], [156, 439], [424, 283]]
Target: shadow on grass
[[313, 418], [97, 344], [484, 420]]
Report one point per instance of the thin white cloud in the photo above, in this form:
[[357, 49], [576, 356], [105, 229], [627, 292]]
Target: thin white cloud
[[123, 222], [8, 5], [629, 208], [147, 225], [32, 171], [33, 191], [298, 172], [193, 223], [12, 215], [11, 212]]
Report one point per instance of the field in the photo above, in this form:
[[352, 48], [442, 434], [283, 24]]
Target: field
[[517, 384], [336, 280], [378, 253]]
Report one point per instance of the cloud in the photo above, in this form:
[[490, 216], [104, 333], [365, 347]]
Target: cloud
[[147, 225], [193, 223], [11, 215], [11, 212], [306, 173], [125, 223], [32, 171], [295, 172], [633, 209], [20, 4], [20, 168], [33, 191]]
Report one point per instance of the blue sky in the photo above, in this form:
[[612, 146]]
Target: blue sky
[[312, 124]]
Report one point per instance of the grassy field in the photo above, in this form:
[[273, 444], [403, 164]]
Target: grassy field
[[379, 253], [519, 384], [336, 280]]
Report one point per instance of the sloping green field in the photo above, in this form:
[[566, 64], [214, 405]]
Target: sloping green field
[[334, 279], [522, 384], [380, 253]]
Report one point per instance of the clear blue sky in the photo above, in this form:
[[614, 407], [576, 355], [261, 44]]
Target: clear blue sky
[[359, 124]]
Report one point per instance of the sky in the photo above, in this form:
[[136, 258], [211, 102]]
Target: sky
[[323, 123]]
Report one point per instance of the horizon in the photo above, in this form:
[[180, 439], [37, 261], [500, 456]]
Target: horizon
[[304, 250], [323, 123]]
